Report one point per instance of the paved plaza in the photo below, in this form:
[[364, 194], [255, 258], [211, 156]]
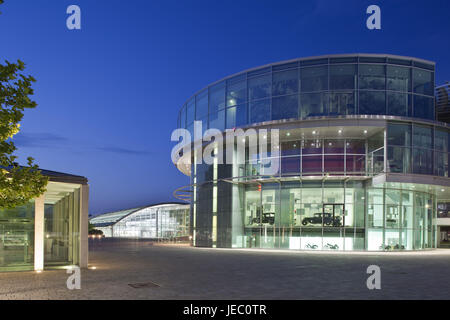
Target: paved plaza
[[146, 270]]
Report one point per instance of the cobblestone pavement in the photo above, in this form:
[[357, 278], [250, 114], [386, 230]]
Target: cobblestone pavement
[[196, 273]]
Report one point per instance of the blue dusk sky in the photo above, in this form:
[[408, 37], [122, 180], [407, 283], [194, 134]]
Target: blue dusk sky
[[108, 95]]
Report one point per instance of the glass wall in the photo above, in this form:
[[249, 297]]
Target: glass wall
[[157, 222], [399, 219], [62, 227], [335, 215], [418, 149], [17, 238], [317, 157], [316, 87]]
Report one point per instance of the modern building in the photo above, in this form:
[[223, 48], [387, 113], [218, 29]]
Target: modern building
[[443, 102], [443, 114], [363, 163], [49, 231], [157, 221]]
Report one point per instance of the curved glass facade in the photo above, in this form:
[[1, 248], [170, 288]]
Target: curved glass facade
[[362, 163], [168, 221], [310, 87]]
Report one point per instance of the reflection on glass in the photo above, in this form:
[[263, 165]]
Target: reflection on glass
[[237, 116], [217, 97], [285, 107], [423, 82], [342, 76], [398, 78], [17, 237], [372, 102], [260, 111], [259, 87], [399, 104], [342, 103], [285, 82], [236, 93], [314, 79], [423, 107], [314, 104], [202, 105], [372, 76]]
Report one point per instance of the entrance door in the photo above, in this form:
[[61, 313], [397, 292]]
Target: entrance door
[[333, 215]]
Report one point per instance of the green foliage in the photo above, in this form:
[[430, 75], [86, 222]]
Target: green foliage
[[17, 184]]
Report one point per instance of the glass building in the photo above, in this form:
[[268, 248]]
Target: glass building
[[363, 163], [48, 231], [158, 221]]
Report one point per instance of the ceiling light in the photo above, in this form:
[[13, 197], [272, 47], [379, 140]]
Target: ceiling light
[[314, 132], [365, 131], [339, 131], [288, 134]]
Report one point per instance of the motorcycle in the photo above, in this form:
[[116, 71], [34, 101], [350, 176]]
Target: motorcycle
[[331, 246]]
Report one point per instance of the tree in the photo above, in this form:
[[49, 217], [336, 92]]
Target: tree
[[18, 184]]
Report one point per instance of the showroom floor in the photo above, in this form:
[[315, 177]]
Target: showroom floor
[[142, 270]]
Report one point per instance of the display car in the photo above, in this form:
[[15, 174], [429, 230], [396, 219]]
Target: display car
[[267, 218], [322, 218]]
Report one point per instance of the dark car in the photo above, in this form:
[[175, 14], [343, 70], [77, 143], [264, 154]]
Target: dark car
[[267, 217], [328, 219]]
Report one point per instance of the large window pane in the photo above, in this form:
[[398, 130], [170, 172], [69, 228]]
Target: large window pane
[[441, 164], [334, 163], [202, 105], [423, 107], [17, 236], [314, 104], [398, 78], [333, 146], [290, 165], [183, 117], [259, 87], [422, 161], [372, 102], [423, 82], [399, 159], [290, 148], [356, 147], [217, 97], [236, 93], [217, 120], [355, 164], [260, 111], [342, 77], [423, 137], [285, 82], [342, 103], [190, 116], [312, 147], [441, 140], [399, 104], [237, 116], [312, 164], [399, 134], [314, 79], [285, 107], [372, 76]]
